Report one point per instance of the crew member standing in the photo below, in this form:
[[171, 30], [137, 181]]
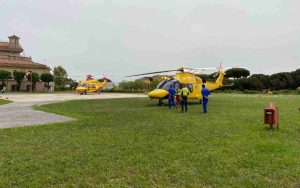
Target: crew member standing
[[172, 93], [205, 94], [184, 96], [178, 94]]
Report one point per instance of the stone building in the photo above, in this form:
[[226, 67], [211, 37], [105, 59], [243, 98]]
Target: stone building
[[11, 60]]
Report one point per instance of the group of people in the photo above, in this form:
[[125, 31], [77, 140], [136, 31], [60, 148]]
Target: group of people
[[181, 95]]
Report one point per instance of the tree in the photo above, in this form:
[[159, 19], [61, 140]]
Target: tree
[[282, 80], [154, 84], [60, 77], [207, 77], [237, 73], [278, 81], [259, 82], [74, 85], [296, 77], [241, 84], [19, 76], [35, 78], [4, 77], [132, 85], [47, 78], [70, 81]]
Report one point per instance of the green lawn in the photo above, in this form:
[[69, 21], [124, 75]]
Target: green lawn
[[4, 101], [134, 143]]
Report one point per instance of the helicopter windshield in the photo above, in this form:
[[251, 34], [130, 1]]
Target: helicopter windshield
[[167, 83], [82, 85], [161, 84]]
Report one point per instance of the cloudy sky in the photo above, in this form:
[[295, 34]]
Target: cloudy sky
[[122, 37]]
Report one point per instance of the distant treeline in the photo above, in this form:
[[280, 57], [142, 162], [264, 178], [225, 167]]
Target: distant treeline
[[241, 80], [137, 85]]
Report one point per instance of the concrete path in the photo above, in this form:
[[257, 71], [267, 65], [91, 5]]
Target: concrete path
[[20, 112]]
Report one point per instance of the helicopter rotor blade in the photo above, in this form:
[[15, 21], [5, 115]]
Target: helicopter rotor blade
[[217, 68], [184, 69], [152, 73]]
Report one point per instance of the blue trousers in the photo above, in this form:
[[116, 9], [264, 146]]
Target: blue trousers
[[184, 104], [204, 104], [171, 102]]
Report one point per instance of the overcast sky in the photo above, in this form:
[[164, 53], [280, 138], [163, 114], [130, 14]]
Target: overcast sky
[[123, 37]]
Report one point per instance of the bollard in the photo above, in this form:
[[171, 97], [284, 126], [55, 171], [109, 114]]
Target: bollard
[[271, 116]]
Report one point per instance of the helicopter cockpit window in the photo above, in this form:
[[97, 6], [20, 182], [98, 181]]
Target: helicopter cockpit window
[[167, 83], [161, 84], [173, 83], [82, 85], [190, 87]]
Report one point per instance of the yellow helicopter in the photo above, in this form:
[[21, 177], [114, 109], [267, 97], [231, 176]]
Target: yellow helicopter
[[184, 76], [90, 85]]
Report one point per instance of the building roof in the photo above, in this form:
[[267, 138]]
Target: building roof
[[14, 37], [12, 59], [20, 62], [4, 46]]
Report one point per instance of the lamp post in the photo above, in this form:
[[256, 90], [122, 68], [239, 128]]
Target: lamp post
[[29, 75], [30, 81]]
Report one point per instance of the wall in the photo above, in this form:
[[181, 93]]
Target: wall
[[39, 71], [8, 53], [25, 86]]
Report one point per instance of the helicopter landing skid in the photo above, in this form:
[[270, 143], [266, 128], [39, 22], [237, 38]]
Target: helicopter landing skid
[[160, 102]]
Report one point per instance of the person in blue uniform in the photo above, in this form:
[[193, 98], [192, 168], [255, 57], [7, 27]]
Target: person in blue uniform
[[205, 95], [172, 93]]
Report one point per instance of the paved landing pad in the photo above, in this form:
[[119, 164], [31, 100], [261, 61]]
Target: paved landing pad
[[20, 112]]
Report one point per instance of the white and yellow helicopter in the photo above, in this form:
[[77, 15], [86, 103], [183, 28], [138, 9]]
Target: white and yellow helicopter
[[184, 76]]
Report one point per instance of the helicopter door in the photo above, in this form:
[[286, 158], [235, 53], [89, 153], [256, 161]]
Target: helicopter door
[[92, 87], [195, 91]]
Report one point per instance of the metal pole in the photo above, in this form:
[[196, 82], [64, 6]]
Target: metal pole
[[31, 81]]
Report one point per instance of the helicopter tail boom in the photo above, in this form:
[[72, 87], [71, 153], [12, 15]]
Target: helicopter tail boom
[[217, 84], [220, 78]]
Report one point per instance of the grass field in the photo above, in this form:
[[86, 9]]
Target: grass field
[[4, 101], [134, 143]]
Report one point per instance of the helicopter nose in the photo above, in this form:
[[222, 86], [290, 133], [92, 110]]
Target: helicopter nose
[[158, 94]]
